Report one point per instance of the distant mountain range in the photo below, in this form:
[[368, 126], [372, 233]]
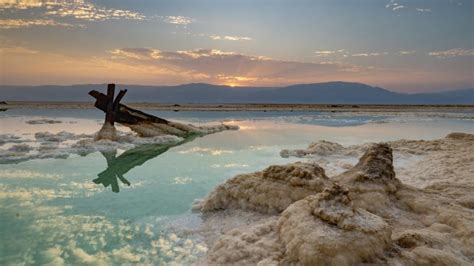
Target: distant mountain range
[[323, 93]]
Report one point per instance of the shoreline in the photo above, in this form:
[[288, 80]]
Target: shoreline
[[232, 107]]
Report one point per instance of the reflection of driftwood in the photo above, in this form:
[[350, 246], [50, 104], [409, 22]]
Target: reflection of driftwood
[[144, 124], [117, 167]]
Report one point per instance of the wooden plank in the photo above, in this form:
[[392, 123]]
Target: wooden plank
[[125, 114], [109, 112], [118, 99]]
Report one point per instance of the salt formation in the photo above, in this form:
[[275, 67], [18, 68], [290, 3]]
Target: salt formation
[[320, 148], [326, 148], [271, 190], [62, 144], [177, 129], [365, 215], [43, 121], [9, 138], [322, 230], [107, 132], [414, 159]]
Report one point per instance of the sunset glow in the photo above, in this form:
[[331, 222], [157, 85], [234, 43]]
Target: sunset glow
[[168, 43]]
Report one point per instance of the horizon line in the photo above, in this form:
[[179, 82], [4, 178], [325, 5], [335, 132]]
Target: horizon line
[[234, 87]]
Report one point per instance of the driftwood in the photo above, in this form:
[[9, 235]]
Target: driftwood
[[117, 112], [144, 124]]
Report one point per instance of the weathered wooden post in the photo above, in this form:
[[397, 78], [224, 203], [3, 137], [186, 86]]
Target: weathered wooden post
[[111, 112]]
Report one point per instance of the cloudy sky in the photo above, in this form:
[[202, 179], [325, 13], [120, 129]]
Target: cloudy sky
[[401, 45]]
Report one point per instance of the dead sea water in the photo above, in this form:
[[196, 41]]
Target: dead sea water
[[62, 209]]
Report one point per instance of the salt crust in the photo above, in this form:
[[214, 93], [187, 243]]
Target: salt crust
[[295, 215]]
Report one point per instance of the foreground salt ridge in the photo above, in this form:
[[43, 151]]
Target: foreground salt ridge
[[63, 144], [295, 214], [420, 163]]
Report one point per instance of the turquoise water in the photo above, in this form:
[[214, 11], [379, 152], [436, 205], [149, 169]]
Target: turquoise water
[[58, 211]]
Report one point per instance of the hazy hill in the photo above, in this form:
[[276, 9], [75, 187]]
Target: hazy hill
[[329, 92]]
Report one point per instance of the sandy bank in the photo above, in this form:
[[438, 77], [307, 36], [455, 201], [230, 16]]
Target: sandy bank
[[297, 214]]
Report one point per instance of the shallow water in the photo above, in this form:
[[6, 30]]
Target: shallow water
[[58, 210]]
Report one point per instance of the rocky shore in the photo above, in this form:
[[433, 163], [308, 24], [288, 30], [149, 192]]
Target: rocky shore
[[373, 212]]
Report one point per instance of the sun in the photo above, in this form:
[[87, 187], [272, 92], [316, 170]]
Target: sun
[[232, 85]]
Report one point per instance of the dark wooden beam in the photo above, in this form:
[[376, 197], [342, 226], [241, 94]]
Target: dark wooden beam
[[123, 113], [109, 111], [118, 99]]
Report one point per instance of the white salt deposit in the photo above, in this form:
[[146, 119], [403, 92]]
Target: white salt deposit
[[62, 144], [9, 138], [365, 215], [177, 129], [43, 121]]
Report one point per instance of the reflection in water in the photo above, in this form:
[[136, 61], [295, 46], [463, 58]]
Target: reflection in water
[[117, 167]]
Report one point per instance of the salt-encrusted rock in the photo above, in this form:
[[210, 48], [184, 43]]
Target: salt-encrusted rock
[[321, 147], [107, 132], [270, 191], [43, 121], [326, 229], [251, 245], [9, 138], [362, 216], [375, 167], [460, 136], [177, 129]]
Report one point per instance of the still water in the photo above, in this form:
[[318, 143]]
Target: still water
[[134, 205]]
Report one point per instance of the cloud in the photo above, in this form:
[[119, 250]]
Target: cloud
[[453, 53], [147, 66], [368, 54], [423, 9], [394, 5], [87, 11], [137, 53], [229, 38], [178, 20], [342, 54], [15, 49], [336, 55], [78, 9], [406, 52], [325, 53], [21, 4], [222, 67], [91, 12], [25, 23], [398, 7]]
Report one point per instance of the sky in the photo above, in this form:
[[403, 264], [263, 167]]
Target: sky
[[401, 45]]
